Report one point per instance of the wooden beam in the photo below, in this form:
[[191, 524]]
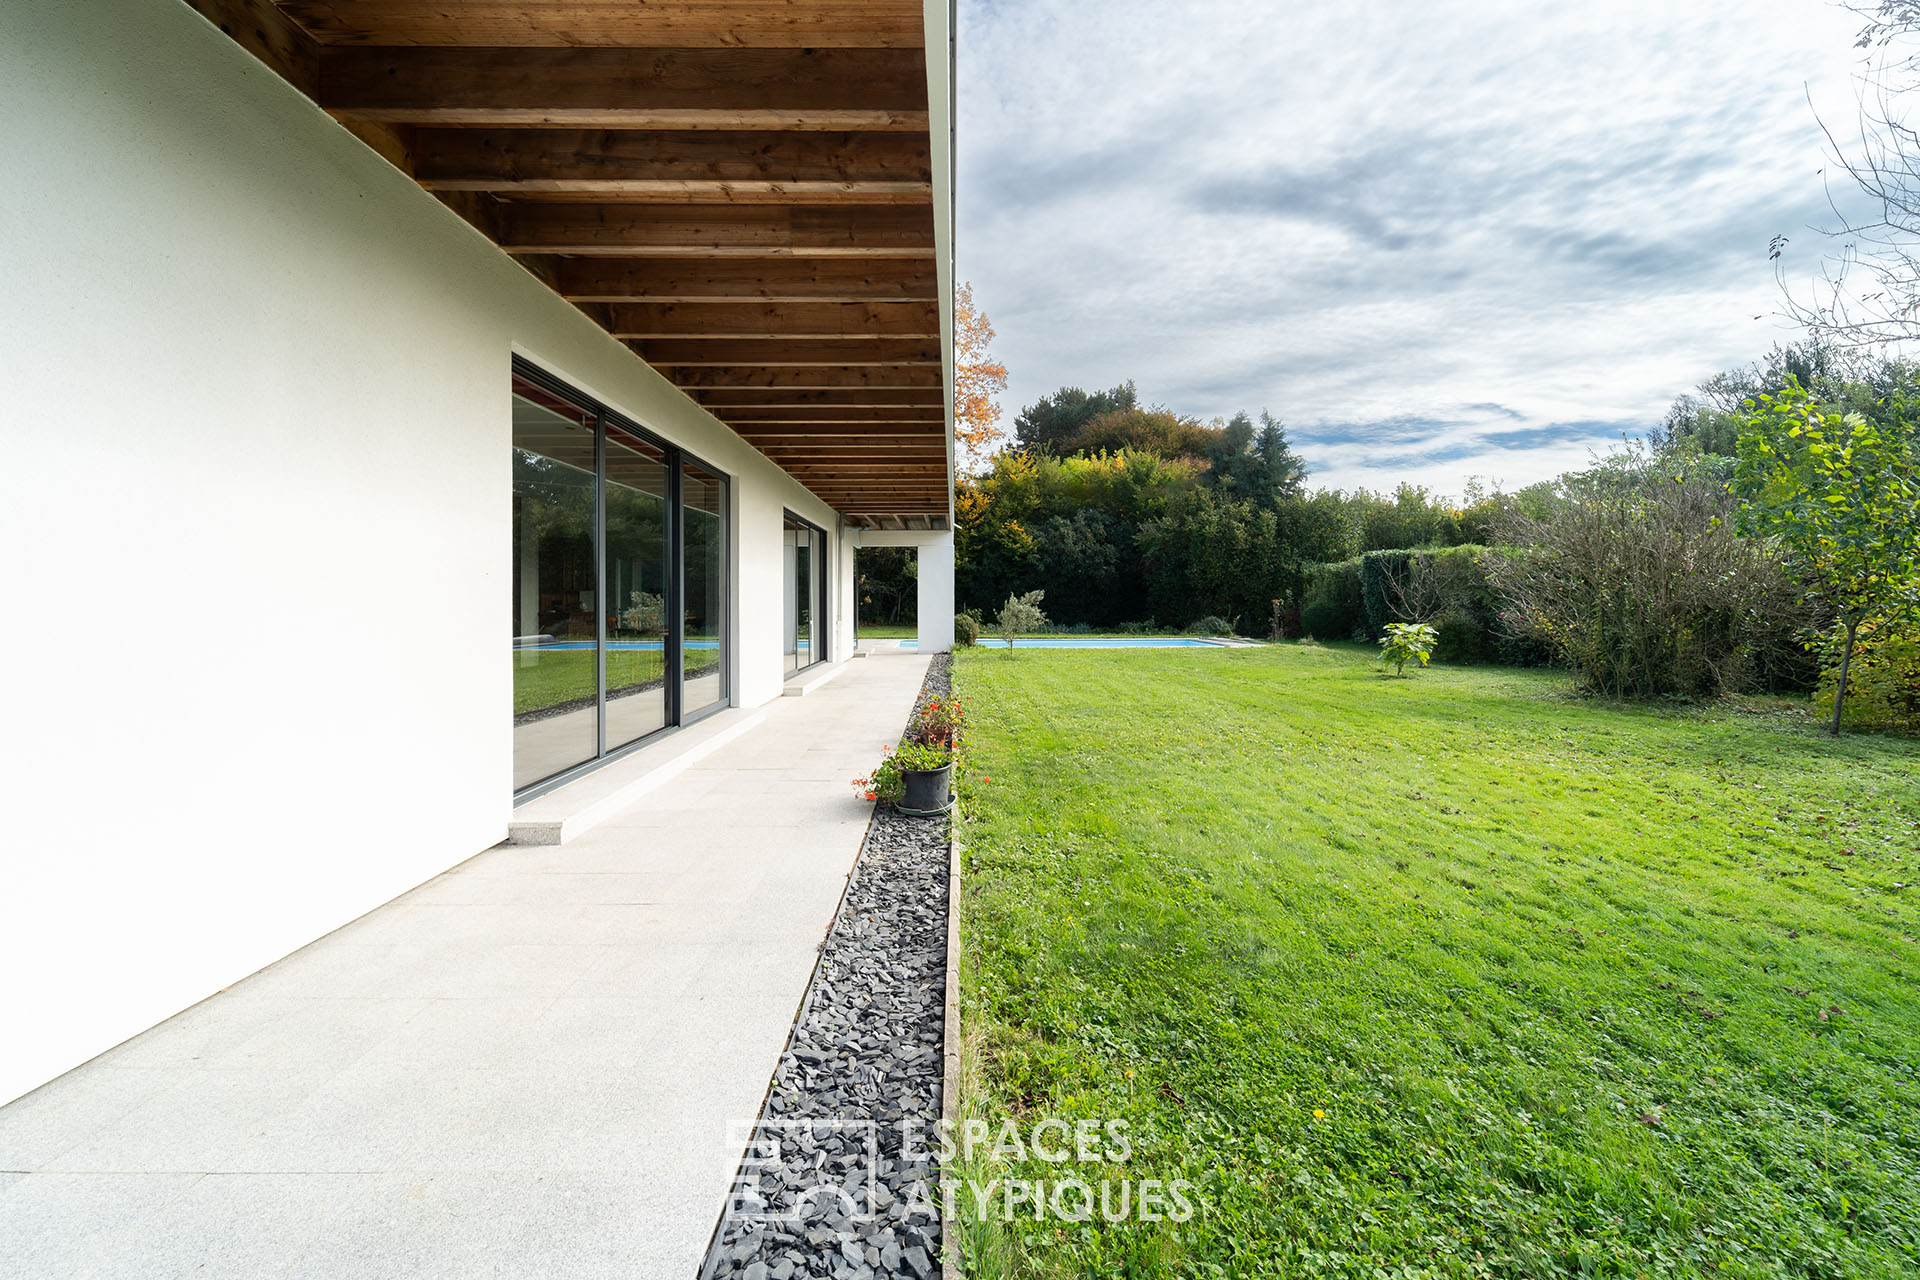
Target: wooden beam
[[777, 320], [795, 279], [708, 230], [259, 27], [816, 24], [739, 414], [914, 375], [633, 88], [898, 456], [677, 166], [716, 398], [889, 473], [840, 434], [833, 353]]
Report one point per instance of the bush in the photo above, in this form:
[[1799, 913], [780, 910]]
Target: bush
[[1213, 625], [1460, 636], [1405, 642], [1640, 582], [1386, 577], [966, 629], [1883, 683], [1325, 620], [1020, 613], [1330, 600]]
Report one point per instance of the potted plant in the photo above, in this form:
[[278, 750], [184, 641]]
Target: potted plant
[[918, 776]]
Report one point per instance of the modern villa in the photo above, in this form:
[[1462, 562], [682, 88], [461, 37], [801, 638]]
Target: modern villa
[[415, 410]]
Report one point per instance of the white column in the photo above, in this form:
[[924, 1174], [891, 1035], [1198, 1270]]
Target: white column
[[936, 592]]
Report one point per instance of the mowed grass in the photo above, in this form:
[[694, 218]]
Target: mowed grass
[[1452, 975], [565, 675]]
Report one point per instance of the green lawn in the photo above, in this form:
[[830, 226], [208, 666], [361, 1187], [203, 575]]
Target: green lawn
[[1453, 975], [888, 630], [565, 675]]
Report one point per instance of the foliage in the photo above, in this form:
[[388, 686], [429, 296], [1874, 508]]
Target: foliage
[[1385, 579], [1020, 614], [966, 629], [1004, 530], [1575, 990], [1046, 423], [1883, 682], [937, 723], [977, 378], [1411, 516], [1331, 607], [1160, 432], [1640, 582], [887, 782], [1259, 467], [889, 582], [1214, 625], [1840, 492], [646, 612], [1406, 642]]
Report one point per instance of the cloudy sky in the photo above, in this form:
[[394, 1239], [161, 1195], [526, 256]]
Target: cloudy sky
[[1440, 239]]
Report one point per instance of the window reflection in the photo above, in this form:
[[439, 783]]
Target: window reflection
[[555, 662], [703, 501], [608, 625], [805, 555]]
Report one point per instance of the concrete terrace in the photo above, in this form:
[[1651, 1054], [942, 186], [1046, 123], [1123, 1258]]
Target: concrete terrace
[[540, 1063]]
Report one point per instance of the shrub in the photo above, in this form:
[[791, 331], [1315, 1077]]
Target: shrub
[[1406, 642], [1330, 599], [1460, 636], [966, 629], [1883, 683], [1020, 613], [1386, 577], [1640, 582], [1213, 625]]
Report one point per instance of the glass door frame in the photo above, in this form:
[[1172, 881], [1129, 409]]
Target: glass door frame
[[673, 642], [817, 578]]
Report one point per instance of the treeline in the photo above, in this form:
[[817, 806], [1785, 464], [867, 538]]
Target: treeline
[[1131, 515], [1690, 564]]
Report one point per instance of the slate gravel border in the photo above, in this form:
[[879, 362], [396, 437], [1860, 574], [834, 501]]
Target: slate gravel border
[[830, 1187]]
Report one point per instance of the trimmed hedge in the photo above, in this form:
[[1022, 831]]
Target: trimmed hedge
[[1330, 607]]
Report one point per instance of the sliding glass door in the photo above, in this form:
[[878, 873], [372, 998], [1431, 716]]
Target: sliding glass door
[[806, 593], [703, 561], [619, 584]]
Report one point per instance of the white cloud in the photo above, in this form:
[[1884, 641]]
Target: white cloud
[[1359, 213]]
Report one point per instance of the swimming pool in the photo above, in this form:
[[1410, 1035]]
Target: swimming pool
[[1095, 642]]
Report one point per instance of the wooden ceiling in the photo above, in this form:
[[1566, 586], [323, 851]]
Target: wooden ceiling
[[739, 190]]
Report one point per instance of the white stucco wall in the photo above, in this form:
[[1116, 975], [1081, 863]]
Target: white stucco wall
[[255, 518], [933, 577]]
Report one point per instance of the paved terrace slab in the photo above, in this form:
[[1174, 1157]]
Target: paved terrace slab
[[539, 1064]]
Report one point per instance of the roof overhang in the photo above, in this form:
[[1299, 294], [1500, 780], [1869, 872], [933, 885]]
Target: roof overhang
[[753, 195]]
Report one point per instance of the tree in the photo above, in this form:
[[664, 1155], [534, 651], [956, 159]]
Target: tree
[[1868, 290], [1258, 466], [977, 378], [1045, 423], [1840, 491], [1021, 613]]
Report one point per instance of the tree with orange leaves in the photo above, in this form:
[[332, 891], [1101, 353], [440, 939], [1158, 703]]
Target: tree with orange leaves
[[977, 378]]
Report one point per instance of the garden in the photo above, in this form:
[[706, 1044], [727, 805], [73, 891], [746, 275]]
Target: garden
[[1461, 973]]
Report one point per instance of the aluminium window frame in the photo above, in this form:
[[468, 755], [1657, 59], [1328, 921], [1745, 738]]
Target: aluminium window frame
[[673, 651], [820, 577]]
